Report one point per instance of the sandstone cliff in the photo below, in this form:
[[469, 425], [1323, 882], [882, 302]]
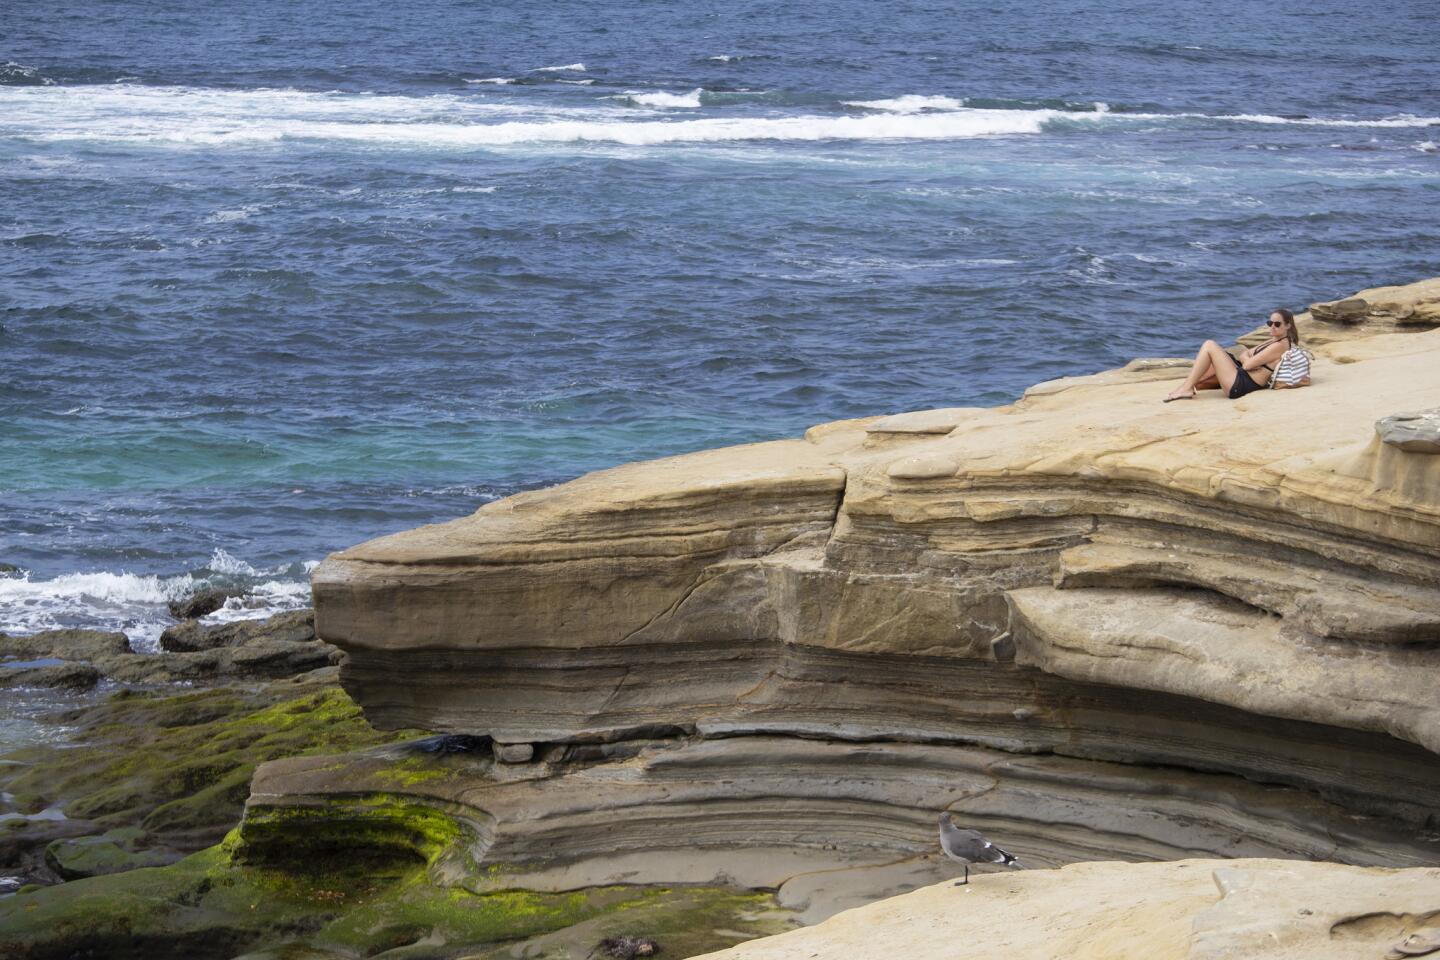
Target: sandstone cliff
[[1094, 625]]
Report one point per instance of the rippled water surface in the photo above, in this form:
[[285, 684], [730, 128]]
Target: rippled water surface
[[279, 279]]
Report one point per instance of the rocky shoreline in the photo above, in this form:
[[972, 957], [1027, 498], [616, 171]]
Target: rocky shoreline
[[1097, 626]]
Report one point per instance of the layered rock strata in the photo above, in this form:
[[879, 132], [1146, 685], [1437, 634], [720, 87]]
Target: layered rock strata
[[1097, 625]]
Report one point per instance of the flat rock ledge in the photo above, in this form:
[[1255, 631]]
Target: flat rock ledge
[[1185, 910], [1098, 626]]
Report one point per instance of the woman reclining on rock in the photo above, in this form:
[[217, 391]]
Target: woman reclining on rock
[[1217, 368]]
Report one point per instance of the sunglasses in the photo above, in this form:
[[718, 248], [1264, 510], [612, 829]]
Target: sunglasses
[[1277, 323]]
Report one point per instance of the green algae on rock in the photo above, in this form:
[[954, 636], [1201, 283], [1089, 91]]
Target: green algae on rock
[[212, 904], [177, 768]]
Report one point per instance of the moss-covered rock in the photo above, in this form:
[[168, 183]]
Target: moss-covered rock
[[112, 852], [180, 765], [210, 904], [175, 769]]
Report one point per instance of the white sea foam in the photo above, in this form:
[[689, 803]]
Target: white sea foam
[[136, 603], [910, 103], [665, 100], [225, 564], [1427, 146], [189, 116], [494, 80], [237, 213], [1403, 120], [722, 58], [13, 72], [575, 67], [101, 588], [185, 116], [577, 83]]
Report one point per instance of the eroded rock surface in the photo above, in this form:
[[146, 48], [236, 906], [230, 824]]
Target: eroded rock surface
[[1098, 625]]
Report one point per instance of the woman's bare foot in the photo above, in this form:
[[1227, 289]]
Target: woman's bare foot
[[1180, 395]]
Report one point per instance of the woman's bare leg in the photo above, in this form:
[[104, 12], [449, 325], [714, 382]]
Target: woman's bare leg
[[1209, 382], [1211, 361]]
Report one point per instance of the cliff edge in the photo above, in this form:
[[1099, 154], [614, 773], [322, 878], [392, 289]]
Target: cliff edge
[[1094, 625]]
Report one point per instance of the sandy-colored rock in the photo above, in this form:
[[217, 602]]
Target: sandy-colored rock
[[1241, 590], [1408, 308], [1184, 910], [1414, 304], [923, 421]]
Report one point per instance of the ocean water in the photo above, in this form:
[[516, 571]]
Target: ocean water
[[280, 278]]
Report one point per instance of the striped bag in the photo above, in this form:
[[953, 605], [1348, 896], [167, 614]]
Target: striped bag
[[1293, 370]]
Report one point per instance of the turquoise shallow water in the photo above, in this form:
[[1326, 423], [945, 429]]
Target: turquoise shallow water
[[279, 280]]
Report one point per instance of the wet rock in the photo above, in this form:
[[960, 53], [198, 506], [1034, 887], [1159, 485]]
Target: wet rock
[[201, 603], [10, 570], [187, 637], [65, 644], [626, 948], [23, 841], [1411, 432], [295, 626], [67, 676]]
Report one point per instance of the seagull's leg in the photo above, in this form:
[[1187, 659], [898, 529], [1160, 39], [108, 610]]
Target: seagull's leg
[[961, 883]]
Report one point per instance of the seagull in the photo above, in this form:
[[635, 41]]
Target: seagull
[[968, 846]]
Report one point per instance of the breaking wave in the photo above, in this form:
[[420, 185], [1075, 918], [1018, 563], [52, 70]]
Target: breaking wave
[[207, 116], [665, 100], [136, 603]]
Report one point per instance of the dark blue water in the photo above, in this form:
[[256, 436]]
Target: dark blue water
[[280, 279]]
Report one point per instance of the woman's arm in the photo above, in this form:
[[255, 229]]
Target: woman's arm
[[1266, 354]]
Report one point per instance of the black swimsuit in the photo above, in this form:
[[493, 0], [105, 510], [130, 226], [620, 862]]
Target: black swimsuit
[[1244, 383]]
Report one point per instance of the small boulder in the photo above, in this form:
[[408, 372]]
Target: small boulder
[[187, 637], [514, 752], [10, 570], [1412, 432], [1349, 310], [201, 603]]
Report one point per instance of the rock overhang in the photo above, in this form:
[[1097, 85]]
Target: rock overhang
[[1244, 589]]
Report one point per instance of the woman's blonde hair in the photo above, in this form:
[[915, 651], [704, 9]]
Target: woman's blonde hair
[[1292, 331]]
